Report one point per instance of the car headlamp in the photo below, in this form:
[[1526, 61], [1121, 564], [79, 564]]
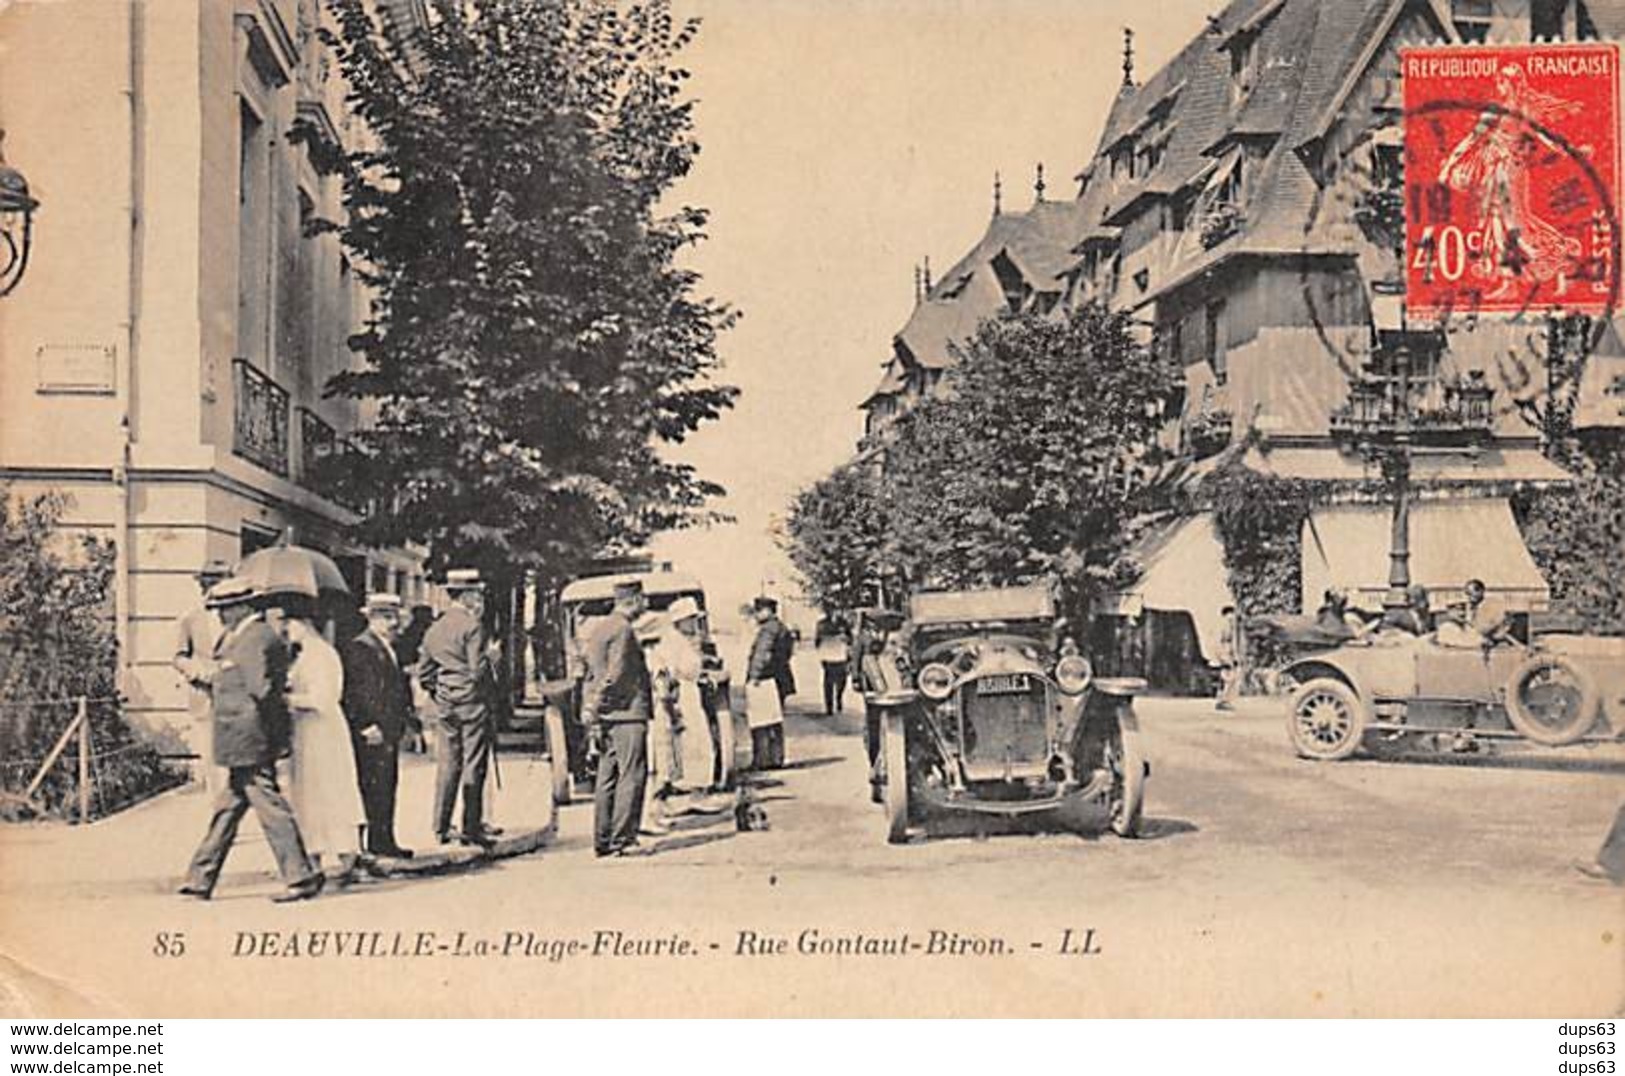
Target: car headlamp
[[936, 681], [1072, 674]]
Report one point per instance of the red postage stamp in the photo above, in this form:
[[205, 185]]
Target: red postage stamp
[[1511, 179]]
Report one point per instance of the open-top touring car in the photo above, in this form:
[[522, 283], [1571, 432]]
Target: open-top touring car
[[991, 712]]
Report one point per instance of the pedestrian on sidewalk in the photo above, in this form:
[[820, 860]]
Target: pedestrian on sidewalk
[[1609, 863], [455, 667], [378, 705], [196, 634], [616, 704], [249, 712], [1228, 660], [321, 781], [768, 683], [833, 643]]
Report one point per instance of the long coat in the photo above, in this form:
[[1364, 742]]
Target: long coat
[[376, 690], [248, 699], [770, 656]]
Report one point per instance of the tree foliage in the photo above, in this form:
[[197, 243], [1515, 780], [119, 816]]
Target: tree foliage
[[1028, 464], [535, 341], [56, 645], [1577, 533]]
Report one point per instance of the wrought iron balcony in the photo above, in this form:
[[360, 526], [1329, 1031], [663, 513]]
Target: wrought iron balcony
[[260, 418], [1436, 412], [1219, 223]]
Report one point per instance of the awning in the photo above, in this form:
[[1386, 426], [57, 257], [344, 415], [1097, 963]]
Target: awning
[[1451, 542], [1184, 572], [1495, 463]]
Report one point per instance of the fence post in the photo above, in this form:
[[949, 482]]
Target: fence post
[[84, 761]]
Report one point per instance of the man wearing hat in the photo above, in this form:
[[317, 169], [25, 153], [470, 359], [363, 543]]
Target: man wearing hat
[[454, 667], [249, 707], [378, 705], [616, 704], [769, 664], [196, 633]]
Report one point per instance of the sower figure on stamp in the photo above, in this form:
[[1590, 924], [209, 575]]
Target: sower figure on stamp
[[378, 706], [249, 707], [196, 634], [454, 668], [616, 703]]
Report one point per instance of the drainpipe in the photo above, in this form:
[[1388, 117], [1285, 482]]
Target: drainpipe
[[132, 338]]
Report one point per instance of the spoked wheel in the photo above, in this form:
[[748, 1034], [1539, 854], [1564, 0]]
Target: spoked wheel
[[725, 747], [894, 746], [1551, 700], [558, 753], [1326, 720], [1125, 761]]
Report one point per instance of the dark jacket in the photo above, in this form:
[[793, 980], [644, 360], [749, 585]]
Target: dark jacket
[[770, 656], [616, 687], [452, 664], [376, 691], [248, 698]]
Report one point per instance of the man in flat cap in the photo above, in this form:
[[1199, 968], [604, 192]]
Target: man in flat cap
[[378, 705], [196, 633], [249, 706], [616, 703], [455, 666], [769, 664]]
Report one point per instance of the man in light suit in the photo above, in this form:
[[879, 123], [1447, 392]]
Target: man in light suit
[[455, 667], [248, 702], [378, 705], [196, 634]]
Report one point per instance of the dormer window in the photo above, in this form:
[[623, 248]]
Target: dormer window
[[1243, 66], [1473, 19]]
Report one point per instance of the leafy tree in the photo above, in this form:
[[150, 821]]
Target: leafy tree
[[1034, 457], [1577, 533], [534, 341], [836, 536]]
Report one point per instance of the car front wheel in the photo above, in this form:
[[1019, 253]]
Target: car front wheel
[[1125, 761], [895, 748], [1326, 720], [558, 754]]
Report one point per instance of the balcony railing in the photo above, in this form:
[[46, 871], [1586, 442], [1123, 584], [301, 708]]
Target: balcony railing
[[1441, 412], [260, 418], [1219, 223]]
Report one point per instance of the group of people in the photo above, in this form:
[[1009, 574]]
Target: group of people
[[644, 700], [273, 682], [1476, 621]]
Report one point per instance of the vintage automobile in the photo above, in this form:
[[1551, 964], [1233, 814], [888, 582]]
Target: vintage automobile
[[991, 713], [580, 603], [1390, 689]]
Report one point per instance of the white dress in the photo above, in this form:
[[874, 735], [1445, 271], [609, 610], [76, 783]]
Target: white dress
[[323, 788]]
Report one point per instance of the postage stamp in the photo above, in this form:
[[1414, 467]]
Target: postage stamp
[[1511, 179]]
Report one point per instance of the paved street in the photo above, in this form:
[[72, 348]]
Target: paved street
[[1264, 885]]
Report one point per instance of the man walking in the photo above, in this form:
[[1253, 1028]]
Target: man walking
[[378, 705], [615, 707], [248, 704], [454, 667], [196, 634]]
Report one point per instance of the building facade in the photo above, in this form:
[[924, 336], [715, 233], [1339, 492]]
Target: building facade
[[1232, 203], [163, 361]]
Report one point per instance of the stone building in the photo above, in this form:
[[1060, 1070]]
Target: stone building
[[1227, 204], [163, 360]]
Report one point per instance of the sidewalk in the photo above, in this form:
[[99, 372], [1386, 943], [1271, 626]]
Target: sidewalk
[[146, 848]]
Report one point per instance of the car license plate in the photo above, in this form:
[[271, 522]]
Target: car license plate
[[1016, 684]]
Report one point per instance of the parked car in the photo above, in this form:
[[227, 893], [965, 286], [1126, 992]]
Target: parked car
[[580, 604], [990, 712], [1393, 687]]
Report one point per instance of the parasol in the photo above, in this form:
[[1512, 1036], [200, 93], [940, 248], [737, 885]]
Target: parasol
[[292, 569]]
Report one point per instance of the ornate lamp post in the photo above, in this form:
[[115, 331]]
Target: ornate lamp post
[[16, 223], [1394, 437]]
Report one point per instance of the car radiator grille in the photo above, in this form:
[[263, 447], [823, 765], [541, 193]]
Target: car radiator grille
[[1002, 729]]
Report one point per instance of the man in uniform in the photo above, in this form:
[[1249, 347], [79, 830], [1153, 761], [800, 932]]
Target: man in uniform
[[455, 667], [770, 661], [616, 704], [249, 708], [378, 705], [196, 633]]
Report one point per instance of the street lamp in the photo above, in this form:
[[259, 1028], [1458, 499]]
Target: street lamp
[[16, 223]]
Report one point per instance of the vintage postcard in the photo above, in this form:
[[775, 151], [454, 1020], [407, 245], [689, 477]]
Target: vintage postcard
[[952, 508]]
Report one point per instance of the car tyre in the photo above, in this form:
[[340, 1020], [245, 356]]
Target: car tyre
[[1125, 802], [894, 745], [558, 755], [1326, 720], [1558, 717]]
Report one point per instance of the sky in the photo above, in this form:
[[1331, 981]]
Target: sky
[[842, 143]]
